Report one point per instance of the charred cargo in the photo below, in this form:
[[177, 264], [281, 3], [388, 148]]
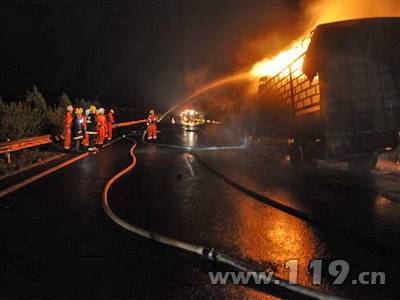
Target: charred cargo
[[340, 99]]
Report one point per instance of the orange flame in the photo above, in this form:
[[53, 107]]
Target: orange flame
[[270, 67], [320, 12]]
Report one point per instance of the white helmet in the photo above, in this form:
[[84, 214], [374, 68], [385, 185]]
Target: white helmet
[[101, 110]]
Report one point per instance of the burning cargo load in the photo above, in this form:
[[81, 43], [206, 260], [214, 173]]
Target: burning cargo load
[[342, 95], [359, 71]]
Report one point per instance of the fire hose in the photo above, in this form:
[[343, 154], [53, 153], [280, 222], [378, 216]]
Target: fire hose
[[206, 252]]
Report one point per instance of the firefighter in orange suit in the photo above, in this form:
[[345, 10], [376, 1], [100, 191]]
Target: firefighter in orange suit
[[67, 127], [110, 122], [101, 127], [152, 123]]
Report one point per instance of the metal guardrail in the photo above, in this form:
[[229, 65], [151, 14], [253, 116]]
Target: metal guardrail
[[12, 146]]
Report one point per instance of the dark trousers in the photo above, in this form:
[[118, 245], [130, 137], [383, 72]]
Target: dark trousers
[[92, 141], [77, 145]]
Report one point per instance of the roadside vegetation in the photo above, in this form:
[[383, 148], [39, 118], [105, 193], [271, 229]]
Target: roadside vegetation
[[34, 116], [31, 116]]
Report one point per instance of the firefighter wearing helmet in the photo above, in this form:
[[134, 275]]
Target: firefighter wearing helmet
[[91, 128], [101, 126], [152, 123], [77, 130], [85, 141], [68, 117], [110, 121]]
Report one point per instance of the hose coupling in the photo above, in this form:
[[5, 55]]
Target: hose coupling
[[209, 254]]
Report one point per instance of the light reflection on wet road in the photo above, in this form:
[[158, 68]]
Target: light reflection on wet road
[[62, 243], [191, 204]]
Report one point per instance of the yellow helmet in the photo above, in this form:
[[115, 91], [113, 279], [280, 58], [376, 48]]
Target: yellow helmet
[[93, 108]]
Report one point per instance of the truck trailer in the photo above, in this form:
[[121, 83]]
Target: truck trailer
[[340, 100]]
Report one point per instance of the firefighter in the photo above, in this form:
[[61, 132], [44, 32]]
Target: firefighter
[[85, 141], [77, 130], [67, 127], [101, 126], [110, 122], [152, 123], [91, 128]]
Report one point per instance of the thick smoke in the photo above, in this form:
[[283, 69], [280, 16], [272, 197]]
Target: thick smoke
[[326, 11]]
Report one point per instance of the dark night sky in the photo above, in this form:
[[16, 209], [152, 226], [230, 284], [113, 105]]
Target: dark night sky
[[129, 52]]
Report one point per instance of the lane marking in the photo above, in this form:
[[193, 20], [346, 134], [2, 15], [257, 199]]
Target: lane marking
[[40, 175], [189, 163], [188, 148], [37, 164], [49, 171]]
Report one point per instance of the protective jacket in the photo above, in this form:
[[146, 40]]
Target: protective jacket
[[110, 122], [101, 128], [152, 130], [152, 119], [91, 124], [67, 129], [77, 128], [85, 141]]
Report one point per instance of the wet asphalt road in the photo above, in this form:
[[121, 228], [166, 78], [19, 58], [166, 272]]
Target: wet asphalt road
[[56, 240]]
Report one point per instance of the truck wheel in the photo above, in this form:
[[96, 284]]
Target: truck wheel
[[295, 156], [300, 156], [363, 164]]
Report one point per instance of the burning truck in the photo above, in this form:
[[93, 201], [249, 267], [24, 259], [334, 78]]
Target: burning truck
[[340, 99]]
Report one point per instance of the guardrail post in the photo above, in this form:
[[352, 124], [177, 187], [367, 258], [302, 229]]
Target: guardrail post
[[8, 157]]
